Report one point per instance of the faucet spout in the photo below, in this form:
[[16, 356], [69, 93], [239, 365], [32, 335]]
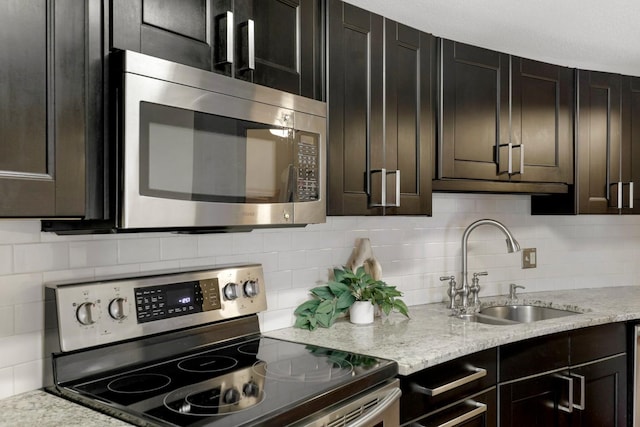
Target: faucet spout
[[512, 246]]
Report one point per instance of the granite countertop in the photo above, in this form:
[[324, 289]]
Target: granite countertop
[[38, 408], [431, 336]]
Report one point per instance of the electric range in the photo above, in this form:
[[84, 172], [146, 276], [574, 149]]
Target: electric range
[[184, 349]]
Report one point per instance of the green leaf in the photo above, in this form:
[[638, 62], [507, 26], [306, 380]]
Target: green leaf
[[386, 307], [307, 307], [338, 274], [324, 320], [338, 288], [313, 323], [401, 307], [345, 301], [322, 292], [325, 307], [302, 322]]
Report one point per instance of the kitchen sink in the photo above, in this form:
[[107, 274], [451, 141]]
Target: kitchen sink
[[515, 314]]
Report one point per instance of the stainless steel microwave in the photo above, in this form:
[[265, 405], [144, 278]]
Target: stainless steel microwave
[[200, 150]]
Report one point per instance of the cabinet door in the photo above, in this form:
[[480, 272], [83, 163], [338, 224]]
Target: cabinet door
[[542, 121], [409, 117], [535, 402], [355, 107], [604, 402], [42, 101], [286, 44], [598, 141], [274, 43], [176, 30], [631, 144], [474, 111]]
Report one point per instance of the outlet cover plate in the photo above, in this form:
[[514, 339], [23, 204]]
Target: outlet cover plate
[[529, 258]]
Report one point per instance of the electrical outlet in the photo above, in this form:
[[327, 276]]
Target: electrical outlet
[[529, 258]]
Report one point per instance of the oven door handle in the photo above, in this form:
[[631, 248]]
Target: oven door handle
[[380, 408]]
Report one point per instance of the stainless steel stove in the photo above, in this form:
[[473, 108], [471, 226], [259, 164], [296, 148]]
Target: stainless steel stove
[[185, 349]]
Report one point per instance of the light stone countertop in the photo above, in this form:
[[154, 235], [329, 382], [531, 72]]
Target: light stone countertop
[[41, 409], [431, 336]]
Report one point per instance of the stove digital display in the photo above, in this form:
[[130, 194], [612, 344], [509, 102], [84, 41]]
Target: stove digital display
[[176, 299]]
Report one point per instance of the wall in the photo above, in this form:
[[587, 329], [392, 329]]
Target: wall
[[573, 252]]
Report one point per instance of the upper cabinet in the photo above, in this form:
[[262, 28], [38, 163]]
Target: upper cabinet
[[275, 43], [42, 105], [381, 114], [506, 123], [607, 146]]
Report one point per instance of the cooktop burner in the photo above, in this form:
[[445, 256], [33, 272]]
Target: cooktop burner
[[184, 349]]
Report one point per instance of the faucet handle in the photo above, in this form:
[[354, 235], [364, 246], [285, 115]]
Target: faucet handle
[[449, 278], [452, 289], [474, 289], [482, 273], [513, 290]]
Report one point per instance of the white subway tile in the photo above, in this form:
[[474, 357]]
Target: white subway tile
[[248, 243], [6, 321], [28, 376], [280, 241], [214, 244], [19, 231], [29, 258], [6, 382], [132, 251], [29, 317], [6, 260], [277, 280], [93, 253], [178, 247], [116, 270], [22, 348], [292, 260]]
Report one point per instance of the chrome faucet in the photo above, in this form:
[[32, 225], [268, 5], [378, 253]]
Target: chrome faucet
[[465, 290]]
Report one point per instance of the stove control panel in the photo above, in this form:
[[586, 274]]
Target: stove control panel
[[110, 310]]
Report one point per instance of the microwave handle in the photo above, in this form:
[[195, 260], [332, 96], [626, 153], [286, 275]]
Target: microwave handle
[[229, 46]]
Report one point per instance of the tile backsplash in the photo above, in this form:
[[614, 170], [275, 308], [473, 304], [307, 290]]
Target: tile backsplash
[[572, 251]]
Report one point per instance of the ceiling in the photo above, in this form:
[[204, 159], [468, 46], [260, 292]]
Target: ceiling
[[589, 34]]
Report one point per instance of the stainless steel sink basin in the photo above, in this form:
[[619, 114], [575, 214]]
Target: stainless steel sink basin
[[514, 314]]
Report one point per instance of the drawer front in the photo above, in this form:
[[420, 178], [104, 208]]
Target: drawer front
[[596, 342], [479, 410], [534, 356], [433, 388]]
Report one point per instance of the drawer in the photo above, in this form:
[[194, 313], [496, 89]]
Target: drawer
[[596, 342], [433, 388], [534, 356]]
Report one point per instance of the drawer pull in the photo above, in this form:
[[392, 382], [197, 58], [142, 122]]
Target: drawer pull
[[475, 374], [582, 379], [478, 408], [568, 408]]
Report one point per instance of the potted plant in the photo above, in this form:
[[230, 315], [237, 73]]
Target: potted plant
[[342, 293]]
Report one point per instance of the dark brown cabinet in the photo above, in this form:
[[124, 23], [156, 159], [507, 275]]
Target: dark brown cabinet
[[578, 379], [462, 389], [506, 123], [381, 113], [42, 108], [630, 158], [275, 43]]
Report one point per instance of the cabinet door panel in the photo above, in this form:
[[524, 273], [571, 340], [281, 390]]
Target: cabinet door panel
[[598, 141], [542, 120], [631, 142], [533, 403], [474, 111], [409, 118], [605, 402], [355, 107], [42, 103]]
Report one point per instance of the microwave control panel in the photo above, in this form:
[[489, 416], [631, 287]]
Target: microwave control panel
[[106, 311], [308, 159]]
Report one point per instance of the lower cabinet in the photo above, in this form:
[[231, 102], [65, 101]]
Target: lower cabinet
[[461, 392], [574, 378], [579, 378]]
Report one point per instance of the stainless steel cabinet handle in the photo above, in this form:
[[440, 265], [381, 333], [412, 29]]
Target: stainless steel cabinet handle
[[479, 408], [631, 195], [620, 204], [383, 198], [570, 406], [228, 56], [510, 146], [251, 35], [380, 408], [476, 373], [582, 389]]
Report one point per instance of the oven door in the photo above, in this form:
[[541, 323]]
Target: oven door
[[379, 407], [196, 154]]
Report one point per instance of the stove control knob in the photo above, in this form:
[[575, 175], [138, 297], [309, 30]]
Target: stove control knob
[[231, 396], [251, 288], [251, 389], [118, 308], [87, 313], [230, 291]]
